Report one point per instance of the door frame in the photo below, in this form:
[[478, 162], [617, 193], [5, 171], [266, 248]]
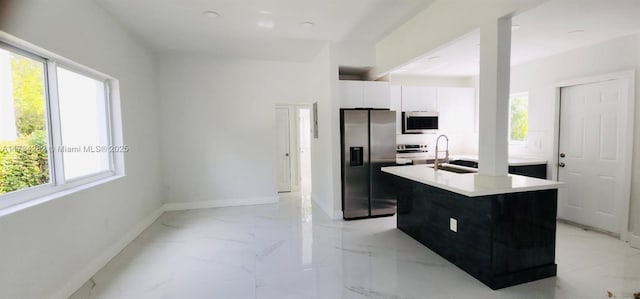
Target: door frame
[[627, 150], [294, 143], [298, 148]]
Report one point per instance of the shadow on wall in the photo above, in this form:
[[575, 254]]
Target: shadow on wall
[[5, 6]]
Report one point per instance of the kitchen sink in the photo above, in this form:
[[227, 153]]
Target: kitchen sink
[[455, 169]]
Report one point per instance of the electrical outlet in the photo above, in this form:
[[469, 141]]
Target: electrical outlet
[[453, 225]]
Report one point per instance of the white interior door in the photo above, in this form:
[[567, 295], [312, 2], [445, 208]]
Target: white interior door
[[283, 155], [592, 158]]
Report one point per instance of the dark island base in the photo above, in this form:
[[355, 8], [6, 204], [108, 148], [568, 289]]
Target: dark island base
[[501, 240], [511, 279], [533, 170]]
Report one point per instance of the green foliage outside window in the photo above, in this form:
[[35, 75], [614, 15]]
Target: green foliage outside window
[[519, 118], [24, 162], [28, 94]]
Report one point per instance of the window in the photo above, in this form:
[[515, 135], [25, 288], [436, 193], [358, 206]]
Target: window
[[83, 122], [518, 117], [24, 159], [55, 125]]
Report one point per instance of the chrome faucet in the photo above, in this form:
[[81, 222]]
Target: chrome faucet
[[446, 157]]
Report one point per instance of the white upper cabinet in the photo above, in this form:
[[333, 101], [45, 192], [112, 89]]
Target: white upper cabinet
[[395, 98], [376, 94], [419, 98], [364, 94], [456, 108], [455, 105], [351, 94]]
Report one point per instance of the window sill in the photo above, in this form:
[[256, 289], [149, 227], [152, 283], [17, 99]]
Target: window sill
[[56, 194]]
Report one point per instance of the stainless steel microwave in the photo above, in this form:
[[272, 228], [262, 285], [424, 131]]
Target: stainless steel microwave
[[419, 122]]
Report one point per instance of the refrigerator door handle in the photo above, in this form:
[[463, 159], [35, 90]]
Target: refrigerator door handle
[[356, 155]]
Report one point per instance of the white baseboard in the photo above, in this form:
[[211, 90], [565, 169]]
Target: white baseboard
[[319, 204], [634, 240], [179, 206], [335, 215], [82, 276]]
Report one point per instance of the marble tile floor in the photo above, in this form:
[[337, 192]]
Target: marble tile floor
[[292, 250]]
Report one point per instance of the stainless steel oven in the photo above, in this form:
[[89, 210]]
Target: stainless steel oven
[[419, 122]]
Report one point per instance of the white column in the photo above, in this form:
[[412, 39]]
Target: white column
[[495, 65], [8, 130]]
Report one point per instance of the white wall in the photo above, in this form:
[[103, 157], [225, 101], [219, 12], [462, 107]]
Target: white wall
[[539, 78], [44, 246], [357, 54], [324, 187], [218, 125]]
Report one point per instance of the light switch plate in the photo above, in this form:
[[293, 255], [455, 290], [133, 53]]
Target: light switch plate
[[453, 225]]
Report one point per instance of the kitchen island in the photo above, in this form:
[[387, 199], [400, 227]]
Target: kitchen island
[[501, 236], [522, 165]]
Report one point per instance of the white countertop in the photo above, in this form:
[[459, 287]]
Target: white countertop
[[513, 161], [464, 183]]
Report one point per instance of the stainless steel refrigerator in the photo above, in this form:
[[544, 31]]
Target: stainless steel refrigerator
[[368, 142]]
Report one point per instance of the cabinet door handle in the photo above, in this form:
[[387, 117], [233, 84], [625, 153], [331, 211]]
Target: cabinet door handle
[[562, 155], [561, 164]]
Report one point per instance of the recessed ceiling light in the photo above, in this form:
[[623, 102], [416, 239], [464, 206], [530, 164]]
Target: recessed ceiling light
[[265, 12], [515, 27], [575, 32], [210, 14], [266, 24], [307, 24]]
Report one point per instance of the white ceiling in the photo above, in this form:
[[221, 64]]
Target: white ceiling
[[543, 32], [179, 25]]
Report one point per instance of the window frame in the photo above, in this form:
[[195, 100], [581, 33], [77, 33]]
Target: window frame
[[58, 185], [54, 103], [511, 97]]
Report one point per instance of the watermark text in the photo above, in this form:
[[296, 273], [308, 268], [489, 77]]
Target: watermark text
[[65, 148]]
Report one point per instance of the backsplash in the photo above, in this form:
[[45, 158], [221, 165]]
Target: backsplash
[[416, 139], [458, 144]]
